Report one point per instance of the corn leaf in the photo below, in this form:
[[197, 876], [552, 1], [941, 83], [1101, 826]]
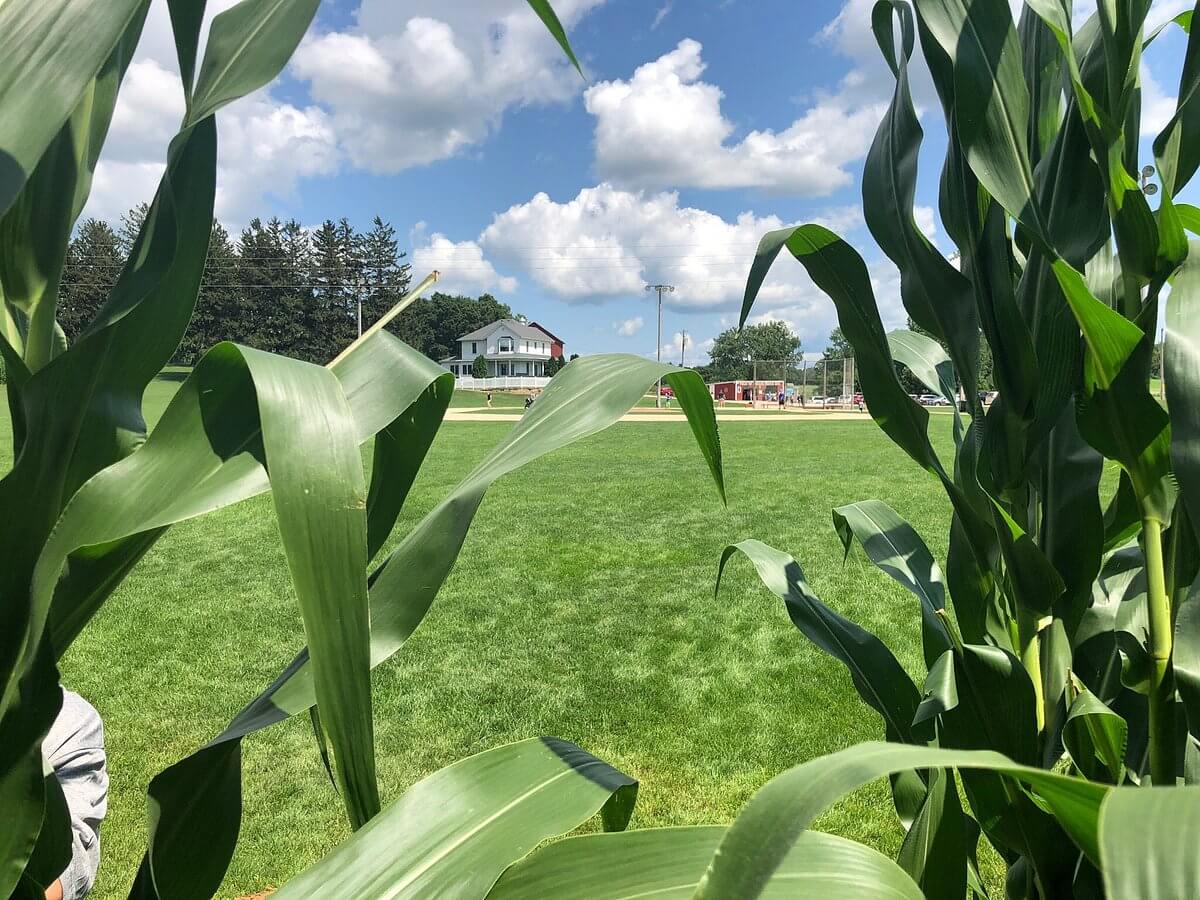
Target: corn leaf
[[1096, 738], [991, 98], [585, 397], [549, 18], [455, 832], [35, 231], [320, 502], [52, 50], [762, 836], [667, 864], [936, 295], [1181, 361], [878, 677], [895, 547], [934, 852], [247, 46], [929, 364], [187, 16], [1177, 146], [1147, 843]]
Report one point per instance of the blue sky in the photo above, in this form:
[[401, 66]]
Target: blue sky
[[702, 124]]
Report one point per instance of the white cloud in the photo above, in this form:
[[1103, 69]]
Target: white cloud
[[629, 327], [665, 128], [696, 352], [607, 243], [926, 221], [811, 314], [663, 12], [416, 82], [1157, 107], [265, 146], [461, 264]]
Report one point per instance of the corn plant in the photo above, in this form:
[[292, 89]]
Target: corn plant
[[1062, 635], [90, 490]]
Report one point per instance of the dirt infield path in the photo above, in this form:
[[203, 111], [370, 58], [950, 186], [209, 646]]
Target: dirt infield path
[[472, 415]]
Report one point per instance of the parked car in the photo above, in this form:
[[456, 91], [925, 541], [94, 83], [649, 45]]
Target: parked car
[[817, 401], [668, 392]]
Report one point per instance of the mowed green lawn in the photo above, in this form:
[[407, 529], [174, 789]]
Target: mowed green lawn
[[582, 606]]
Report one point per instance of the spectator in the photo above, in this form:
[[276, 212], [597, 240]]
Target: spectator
[[74, 748]]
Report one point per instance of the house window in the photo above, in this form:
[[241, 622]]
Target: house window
[[505, 345], [474, 347]]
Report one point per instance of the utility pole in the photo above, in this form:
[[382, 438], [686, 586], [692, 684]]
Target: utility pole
[[661, 288], [682, 348]]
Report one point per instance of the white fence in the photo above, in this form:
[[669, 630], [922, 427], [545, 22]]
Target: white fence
[[500, 383]]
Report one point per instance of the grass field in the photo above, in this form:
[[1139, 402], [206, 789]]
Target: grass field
[[582, 606]]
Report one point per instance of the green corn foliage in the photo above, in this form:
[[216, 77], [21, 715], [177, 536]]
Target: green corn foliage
[[1062, 630], [90, 491]]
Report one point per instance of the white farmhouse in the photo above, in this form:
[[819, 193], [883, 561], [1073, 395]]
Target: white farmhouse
[[510, 348]]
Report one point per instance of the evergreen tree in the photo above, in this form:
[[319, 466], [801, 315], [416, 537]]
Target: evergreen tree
[[131, 226], [221, 306], [329, 313], [386, 277], [274, 319], [93, 263], [307, 342], [479, 367]]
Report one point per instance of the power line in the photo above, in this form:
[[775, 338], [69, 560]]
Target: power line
[[614, 263]]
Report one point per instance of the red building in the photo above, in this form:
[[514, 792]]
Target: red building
[[556, 343], [746, 391]]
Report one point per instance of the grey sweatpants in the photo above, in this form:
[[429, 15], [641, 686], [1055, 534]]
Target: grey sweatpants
[[75, 749]]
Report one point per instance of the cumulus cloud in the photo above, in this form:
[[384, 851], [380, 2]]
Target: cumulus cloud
[[811, 314], [629, 327], [461, 264], [265, 145], [608, 242], [694, 353], [1157, 106], [664, 128], [416, 82]]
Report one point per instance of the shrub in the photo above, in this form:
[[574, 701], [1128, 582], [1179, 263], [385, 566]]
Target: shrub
[[479, 367]]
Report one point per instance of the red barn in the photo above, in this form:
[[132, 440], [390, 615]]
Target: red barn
[[746, 391], [556, 343]]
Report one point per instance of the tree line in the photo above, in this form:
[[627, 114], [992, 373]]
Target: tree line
[[281, 287]]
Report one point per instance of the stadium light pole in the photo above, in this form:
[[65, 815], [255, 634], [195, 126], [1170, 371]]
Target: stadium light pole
[[669, 289]]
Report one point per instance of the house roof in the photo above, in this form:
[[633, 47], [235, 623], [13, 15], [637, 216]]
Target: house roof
[[547, 332], [501, 357], [520, 329]]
